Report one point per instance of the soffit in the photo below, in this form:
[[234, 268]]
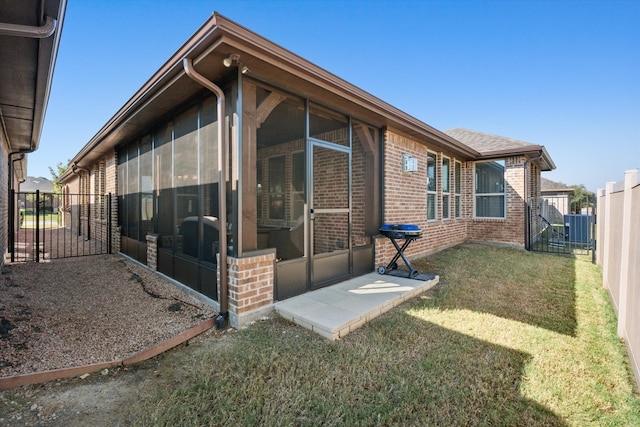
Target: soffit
[[27, 70]]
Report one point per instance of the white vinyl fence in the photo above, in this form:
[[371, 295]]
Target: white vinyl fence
[[618, 254]]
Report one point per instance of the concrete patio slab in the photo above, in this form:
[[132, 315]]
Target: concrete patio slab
[[336, 310]]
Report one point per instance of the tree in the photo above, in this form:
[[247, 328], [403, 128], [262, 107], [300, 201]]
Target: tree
[[56, 174], [582, 198]]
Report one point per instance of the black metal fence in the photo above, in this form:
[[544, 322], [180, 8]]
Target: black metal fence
[[561, 224], [45, 226]]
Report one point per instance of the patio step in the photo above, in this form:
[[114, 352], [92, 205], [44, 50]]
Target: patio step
[[336, 310]]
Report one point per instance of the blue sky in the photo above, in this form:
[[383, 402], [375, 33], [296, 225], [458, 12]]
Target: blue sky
[[563, 74]]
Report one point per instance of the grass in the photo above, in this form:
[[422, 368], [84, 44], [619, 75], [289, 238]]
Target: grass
[[506, 338], [46, 220]]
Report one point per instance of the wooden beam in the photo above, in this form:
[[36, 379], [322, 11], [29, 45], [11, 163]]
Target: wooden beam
[[267, 106], [372, 182]]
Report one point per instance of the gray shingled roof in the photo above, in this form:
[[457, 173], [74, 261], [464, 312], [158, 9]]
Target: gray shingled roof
[[39, 183], [486, 142], [549, 185]]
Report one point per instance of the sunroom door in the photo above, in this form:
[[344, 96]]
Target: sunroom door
[[329, 213]]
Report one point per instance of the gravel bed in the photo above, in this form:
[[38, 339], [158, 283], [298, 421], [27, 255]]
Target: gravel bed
[[54, 243], [77, 311]]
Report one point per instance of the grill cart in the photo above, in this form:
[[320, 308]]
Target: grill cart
[[406, 232]]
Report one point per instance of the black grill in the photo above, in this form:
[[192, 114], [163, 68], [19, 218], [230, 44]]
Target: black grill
[[406, 232]]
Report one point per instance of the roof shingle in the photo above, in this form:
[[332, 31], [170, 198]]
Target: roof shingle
[[486, 142]]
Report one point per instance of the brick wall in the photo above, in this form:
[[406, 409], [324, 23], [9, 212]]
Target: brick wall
[[511, 229], [152, 251], [111, 187], [85, 194], [251, 286], [405, 199]]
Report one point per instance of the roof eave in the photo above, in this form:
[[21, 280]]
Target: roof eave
[[218, 29], [48, 52], [300, 67], [534, 152], [44, 56], [165, 74]]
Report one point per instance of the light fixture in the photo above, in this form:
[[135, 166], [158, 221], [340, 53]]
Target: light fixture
[[244, 69], [231, 59]]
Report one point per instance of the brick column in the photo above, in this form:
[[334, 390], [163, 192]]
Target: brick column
[[251, 287], [115, 244], [152, 251]]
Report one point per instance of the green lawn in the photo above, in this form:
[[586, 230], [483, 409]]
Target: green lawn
[[28, 220], [507, 338]]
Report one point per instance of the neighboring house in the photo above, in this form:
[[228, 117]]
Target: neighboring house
[[44, 186], [251, 175], [32, 184], [555, 200], [29, 39]]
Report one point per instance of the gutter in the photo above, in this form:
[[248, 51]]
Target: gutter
[[41, 32], [11, 154], [222, 182]]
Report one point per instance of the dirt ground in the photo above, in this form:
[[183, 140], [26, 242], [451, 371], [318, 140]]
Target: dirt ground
[[104, 398], [86, 310]]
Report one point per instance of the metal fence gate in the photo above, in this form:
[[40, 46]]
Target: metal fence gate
[[561, 224], [45, 226]]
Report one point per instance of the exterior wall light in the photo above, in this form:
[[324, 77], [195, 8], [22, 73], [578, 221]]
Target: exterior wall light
[[231, 59], [409, 163]]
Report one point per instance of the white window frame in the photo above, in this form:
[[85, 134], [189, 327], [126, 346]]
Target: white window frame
[[433, 194], [457, 188], [446, 195], [501, 193]]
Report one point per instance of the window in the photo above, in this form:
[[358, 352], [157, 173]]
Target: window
[[490, 189], [132, 193], [457, 171], [432, 185], [147, 213], [185, 180], [163, 177], [446, 188], [276, 187], [297, 184]]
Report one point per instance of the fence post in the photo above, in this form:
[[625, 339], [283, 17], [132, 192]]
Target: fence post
[[606, 244], [599, 225], [109, 225], [630, 179]]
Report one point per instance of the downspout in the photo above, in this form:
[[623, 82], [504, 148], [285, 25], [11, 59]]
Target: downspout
[[11, 168], [12, 202], [5, 137], [527, 223], [222, 192]]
